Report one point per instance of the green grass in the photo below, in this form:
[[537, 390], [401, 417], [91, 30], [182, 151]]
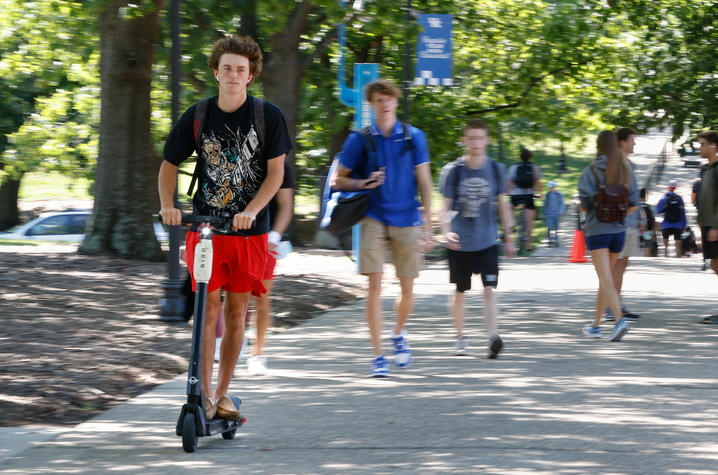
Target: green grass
[[47, 186], [18, 242]]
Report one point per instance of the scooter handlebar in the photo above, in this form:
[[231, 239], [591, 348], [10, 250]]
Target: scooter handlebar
[[220, 223]]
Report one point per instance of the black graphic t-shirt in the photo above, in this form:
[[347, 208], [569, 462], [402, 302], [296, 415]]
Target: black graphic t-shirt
[[233, 164]]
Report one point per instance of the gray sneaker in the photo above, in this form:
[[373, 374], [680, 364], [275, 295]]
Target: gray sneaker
[[462, 346], [608, 316], [496, 344]]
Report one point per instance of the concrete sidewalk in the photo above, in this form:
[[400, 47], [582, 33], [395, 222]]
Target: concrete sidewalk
[[554, 401]]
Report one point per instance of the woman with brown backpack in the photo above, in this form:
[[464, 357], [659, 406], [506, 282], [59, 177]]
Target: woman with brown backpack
[[608, 193]]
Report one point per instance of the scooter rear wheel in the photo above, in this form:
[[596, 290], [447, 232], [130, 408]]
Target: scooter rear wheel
[[189, 433], [229, 435]]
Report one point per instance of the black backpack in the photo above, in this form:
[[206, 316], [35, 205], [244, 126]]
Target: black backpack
[[525, 175], [200, 114], [674, 208]]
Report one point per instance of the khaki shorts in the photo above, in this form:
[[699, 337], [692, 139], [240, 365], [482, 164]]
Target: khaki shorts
[[375, 237], [632, 246]]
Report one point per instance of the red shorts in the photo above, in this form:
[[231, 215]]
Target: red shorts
[[269, 267], [238, 262]]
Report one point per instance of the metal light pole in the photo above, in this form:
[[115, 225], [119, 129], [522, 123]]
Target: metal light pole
[[408, 73], [173, 303]]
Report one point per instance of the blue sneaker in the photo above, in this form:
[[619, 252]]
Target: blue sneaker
[[379, 367], [402, 352], [592, 332], [620, 329]]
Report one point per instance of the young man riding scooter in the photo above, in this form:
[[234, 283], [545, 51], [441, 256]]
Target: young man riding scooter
[[239, 170]]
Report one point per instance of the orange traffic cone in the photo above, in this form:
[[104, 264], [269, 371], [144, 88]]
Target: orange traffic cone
[[578, 248]]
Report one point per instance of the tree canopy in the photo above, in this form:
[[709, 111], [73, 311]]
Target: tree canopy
[[531, 68]]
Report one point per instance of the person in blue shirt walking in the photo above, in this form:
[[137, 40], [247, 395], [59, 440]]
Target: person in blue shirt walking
[[393, 218], [674, 218], [553, 208]]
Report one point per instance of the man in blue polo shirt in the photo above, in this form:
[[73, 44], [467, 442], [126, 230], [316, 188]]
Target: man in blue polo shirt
[[393, 219]]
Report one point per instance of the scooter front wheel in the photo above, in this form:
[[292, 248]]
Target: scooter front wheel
[[189, 433]]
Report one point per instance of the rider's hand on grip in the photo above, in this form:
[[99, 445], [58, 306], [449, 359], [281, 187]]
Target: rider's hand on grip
[[243, 220], [171, 216]]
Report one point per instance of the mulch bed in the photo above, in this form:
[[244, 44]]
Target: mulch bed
[[80, 334]]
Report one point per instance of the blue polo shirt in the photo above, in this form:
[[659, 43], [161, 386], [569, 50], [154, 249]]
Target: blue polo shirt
[[395, 202]]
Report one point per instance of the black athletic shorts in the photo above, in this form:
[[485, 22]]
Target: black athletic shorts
[[710, 248], [526, 200], [675, 232], [463, 264]]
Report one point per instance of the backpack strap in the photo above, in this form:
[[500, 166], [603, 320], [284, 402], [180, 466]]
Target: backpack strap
[[408, 141], [200, 115], [461, 174], [495, 166], [258, 116], [595, 174], [375, 161]]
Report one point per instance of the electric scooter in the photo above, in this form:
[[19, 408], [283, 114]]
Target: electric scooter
[[192, 422]]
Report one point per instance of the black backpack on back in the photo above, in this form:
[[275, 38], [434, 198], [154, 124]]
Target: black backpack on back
[[674, 208], [525, 175]]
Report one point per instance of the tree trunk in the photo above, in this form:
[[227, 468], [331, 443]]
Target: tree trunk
[[282, 78], [9, 215], [126, 177]]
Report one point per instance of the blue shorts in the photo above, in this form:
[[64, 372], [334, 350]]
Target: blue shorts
[[614, 242]]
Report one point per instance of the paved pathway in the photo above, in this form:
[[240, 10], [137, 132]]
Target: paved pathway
[[554, 402]]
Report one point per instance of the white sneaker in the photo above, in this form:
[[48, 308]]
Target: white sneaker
[[217, 344], [462, 346], [402, 351], [257, 365]]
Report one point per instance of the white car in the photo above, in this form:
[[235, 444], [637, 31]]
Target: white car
[[692, 160], [62, 226]]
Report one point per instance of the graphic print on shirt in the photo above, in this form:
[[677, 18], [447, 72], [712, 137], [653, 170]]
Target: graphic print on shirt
[[232, 175], [475, 192]]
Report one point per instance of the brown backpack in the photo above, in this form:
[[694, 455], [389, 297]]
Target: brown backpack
[[611, 201]]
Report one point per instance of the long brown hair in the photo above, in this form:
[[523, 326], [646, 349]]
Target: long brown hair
[[617, 171]]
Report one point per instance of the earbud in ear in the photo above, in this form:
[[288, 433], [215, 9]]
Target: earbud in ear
[[216, 77]]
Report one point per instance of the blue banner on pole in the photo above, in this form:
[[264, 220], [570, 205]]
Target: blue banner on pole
[[364, 73], [434, 51]]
